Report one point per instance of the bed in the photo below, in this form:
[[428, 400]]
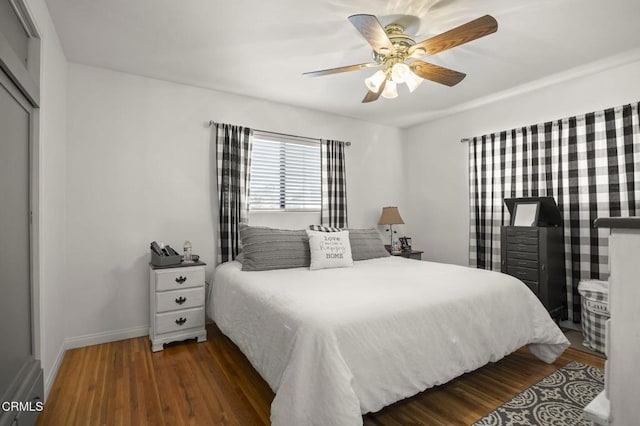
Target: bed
[[334, 344]]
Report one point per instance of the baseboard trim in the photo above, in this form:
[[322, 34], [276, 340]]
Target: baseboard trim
[[105, 337], [51, 377]]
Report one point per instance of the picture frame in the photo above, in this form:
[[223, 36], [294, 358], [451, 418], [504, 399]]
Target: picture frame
[[405, 242], [526, 214]]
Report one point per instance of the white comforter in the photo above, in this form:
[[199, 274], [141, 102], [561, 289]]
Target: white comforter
[[336, 343]]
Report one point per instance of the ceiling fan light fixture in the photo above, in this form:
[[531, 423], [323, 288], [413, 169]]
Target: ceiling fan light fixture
[[413, 81], [390, 90], [400, 72], [374, 82], [392, 48], [419, 52]]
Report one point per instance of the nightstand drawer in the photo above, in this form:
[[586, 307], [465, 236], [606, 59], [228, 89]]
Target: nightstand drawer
[[174, 279], [179, 320], [180, 299], [524, 274]]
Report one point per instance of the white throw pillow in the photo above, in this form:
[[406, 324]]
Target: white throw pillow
[[329, 249]]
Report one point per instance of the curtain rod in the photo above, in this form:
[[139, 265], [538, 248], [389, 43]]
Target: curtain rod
[[519, 129], [213, 123], [554, 123]]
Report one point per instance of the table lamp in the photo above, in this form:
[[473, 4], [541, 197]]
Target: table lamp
[[390, 216]]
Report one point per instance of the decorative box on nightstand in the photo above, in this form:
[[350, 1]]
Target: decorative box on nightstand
[[176, 304]]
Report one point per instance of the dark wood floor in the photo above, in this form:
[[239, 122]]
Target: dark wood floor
[[212, 383]]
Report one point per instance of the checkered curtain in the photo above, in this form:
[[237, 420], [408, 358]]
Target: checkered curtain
[[590, 164], [334, 184], [233, 157]]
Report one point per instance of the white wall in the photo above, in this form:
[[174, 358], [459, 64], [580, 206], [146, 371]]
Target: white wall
[[140, 168], [436, 172], [52, 199]]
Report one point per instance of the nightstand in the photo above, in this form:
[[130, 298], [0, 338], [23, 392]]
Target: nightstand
[[413, 254], [176, 304]]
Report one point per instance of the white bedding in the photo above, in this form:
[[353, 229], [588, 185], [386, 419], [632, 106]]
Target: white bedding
[[334, 344]]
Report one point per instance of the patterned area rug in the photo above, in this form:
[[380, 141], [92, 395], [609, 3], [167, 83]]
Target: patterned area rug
[[556, 400]]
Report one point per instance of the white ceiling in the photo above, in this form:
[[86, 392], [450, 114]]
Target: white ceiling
[[260, 48]]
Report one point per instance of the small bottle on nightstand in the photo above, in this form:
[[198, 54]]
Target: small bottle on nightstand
[[187, 251], [395, 247]]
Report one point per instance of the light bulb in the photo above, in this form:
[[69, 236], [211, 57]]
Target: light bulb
[[390, 90], [400, 72], [413, 81], [375, 81]]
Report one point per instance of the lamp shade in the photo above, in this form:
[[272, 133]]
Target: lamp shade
[[390, 90], [374, 82], [390, 216], [400, 72], [413, 81]]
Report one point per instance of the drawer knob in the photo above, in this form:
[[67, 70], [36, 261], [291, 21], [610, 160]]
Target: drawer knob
[[180, 300], [181, 279], [181, 321]]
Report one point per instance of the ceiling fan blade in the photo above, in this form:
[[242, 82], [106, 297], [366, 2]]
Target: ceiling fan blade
[[372, 31], [373, 96], [436, 73], [463, 34], [341, 69]]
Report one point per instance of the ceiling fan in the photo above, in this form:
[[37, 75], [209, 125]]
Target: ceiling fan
[[392, 49]]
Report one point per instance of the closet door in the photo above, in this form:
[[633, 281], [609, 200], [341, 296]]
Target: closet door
[[16, 354]]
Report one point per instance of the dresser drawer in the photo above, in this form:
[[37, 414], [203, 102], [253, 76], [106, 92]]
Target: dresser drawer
[[174, 279], [522, 240], [533, 286], [179, 320], [179, 299], [522, 232], [523, 263], [522, 255], [525, 274], [522, 247]]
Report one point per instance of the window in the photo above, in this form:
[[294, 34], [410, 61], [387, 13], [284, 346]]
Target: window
[[285, 173]]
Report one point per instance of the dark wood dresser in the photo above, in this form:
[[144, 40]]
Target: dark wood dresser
[[535, 255]]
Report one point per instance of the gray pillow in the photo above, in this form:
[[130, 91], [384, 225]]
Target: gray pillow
[[323, 228], [265, 248], [366, 244]]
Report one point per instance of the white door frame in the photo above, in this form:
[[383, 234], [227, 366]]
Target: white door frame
[[27, 82]]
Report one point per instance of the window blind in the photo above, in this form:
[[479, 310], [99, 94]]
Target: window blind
[[285, 173]]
